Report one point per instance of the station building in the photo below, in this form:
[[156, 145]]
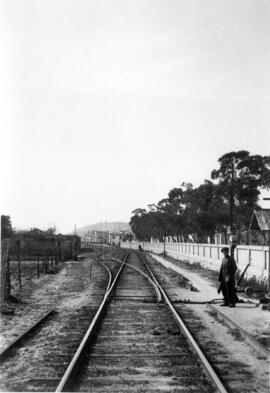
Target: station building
[[114, 238]]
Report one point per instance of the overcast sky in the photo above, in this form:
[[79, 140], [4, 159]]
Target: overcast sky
[[105, 106]]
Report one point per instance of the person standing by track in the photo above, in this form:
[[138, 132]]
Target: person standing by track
[[226, 278]]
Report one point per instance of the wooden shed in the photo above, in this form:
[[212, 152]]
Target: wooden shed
[[259, 228]]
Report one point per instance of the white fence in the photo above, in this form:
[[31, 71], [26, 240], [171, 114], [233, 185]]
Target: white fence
[[210, 255]]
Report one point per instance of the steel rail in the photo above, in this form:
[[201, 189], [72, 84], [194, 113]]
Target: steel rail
[[109, 273], [26, 333], [64, 381], [191, 339], [145, 275]]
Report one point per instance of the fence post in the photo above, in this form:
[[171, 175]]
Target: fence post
[[47, 261], [3, 270], [18, 244], [8, 285], [249, 254], [164, 247], [43, 263]]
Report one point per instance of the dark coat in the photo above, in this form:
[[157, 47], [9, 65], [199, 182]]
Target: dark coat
[[227, 269], [226, 278]]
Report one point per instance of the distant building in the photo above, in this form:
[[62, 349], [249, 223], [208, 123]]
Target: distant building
[[259, 229], [96, 237], [89, 237], [114, 238]]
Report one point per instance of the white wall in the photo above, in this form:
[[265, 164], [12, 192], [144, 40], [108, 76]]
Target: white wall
[[210, 255]]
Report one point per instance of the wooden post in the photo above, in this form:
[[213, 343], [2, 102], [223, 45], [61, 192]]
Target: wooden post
[[43, 263], [56, 254], [47, 260], [18, 244], [8, 286], [3, 272], [164, 246]]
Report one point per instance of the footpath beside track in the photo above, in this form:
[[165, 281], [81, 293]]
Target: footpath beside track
[[240, 367]]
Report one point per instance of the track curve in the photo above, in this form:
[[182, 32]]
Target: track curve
[[138, 346]]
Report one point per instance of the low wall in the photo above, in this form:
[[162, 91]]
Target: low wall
[[210, 255]]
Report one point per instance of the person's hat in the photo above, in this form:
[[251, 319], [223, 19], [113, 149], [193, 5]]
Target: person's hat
[[225, 249]]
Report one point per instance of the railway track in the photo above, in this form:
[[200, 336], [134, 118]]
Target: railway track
[[140, 344], [137, 341], [228, 351], [38, 360]]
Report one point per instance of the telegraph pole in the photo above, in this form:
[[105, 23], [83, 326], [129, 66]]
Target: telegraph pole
[[232, 198]]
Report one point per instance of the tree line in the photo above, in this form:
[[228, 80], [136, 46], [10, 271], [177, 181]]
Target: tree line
[[6, 227], [224, 202], [8, 231]]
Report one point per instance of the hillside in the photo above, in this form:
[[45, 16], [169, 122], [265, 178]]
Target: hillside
[[104, 226]]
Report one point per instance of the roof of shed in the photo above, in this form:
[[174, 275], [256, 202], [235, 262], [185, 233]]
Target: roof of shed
[[260, 220]]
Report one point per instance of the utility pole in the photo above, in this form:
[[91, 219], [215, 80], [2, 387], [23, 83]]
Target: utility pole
[[232, 198]]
